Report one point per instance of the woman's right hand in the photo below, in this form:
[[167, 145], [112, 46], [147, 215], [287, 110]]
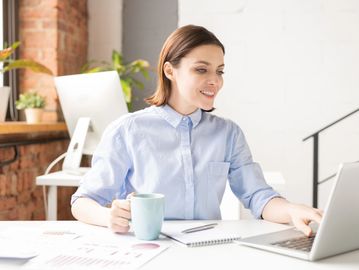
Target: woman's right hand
[[120, 214]]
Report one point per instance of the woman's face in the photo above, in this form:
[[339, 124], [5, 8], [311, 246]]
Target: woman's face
[[196, 80]]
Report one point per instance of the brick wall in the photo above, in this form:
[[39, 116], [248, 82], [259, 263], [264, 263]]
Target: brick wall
[[20, 197], [55, 34]]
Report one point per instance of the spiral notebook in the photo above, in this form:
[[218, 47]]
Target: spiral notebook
[[215, 236]]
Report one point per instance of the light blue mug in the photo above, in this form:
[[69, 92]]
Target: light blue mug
[[147, 213]]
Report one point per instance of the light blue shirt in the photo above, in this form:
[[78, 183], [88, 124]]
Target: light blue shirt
[[187, 158]]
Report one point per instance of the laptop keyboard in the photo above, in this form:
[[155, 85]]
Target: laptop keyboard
[[302, 243]]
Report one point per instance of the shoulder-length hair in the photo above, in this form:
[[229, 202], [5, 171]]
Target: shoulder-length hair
[[177, 46]]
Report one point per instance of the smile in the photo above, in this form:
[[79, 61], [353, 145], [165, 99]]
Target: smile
[[207, 93]]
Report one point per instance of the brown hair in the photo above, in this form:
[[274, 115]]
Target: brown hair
[[177, 45]]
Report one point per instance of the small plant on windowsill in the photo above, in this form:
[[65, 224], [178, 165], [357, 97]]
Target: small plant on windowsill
[[33, 104], [10, 64]]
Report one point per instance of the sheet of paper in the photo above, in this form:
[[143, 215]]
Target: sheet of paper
[[83, 246], [25, 243], [89, 254]]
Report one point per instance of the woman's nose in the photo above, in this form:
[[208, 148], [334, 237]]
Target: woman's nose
[[213, 80]]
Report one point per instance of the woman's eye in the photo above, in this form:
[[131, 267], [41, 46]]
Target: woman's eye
[[220, 72], [201, 70]]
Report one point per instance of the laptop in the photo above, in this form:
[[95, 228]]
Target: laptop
[[338, 232]]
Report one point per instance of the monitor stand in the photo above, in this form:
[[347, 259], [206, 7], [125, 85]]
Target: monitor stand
[[73, 157]]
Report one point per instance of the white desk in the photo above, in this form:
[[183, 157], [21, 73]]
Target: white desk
[[53, 180], [229, 256]]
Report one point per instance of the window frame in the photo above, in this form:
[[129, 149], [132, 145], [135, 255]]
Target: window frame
[[10, 14]]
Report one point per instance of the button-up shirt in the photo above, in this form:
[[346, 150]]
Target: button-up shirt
[[189, 159]]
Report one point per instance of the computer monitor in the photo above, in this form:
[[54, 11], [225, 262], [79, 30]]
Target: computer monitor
[[89, 103]]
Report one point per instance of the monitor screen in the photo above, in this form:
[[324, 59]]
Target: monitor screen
[[98, 96]]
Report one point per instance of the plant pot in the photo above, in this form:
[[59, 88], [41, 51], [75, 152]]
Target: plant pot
[[33, 115], [4, 101]]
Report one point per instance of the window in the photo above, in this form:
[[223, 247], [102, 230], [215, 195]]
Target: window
[[9, 29], [1, 39]]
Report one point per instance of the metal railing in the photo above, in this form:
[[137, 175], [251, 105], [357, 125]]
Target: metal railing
[[315, 137]]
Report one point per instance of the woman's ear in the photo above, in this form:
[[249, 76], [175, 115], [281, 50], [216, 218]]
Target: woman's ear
[[168, 70]]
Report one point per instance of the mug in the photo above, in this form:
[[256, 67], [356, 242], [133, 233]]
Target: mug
[[147, 214]]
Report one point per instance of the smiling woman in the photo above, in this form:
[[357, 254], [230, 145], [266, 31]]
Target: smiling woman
[[175, 147]]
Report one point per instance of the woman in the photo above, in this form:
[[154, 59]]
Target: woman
[[176, 147]]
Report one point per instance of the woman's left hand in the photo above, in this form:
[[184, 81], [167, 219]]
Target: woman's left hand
[[281, 211]]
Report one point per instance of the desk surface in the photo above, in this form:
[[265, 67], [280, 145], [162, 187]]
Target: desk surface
[[230, 256], [61, 178]]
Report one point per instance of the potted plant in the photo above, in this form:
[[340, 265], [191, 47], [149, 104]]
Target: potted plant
[[33, 104], [126, 72], [8, 64]]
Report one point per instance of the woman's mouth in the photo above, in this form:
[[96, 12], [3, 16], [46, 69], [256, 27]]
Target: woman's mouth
[[208, 93]]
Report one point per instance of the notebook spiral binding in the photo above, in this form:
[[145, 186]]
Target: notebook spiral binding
[[212, 242]]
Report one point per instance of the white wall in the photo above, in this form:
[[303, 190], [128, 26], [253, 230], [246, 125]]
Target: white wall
[[291, 68], [105, 28]]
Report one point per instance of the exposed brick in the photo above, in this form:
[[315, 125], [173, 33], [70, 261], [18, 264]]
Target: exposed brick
[[64, 209], [24, 197], [38, 214], [3, 180], [38, 13], [26, 163], [45, 27], [13, 185], [49, 24], [7, 203], [23, 212], [30, 24], [31, 3], [4, 215], [20, 182], [6, 153], [12, 214], [40, 39], [55, 21]]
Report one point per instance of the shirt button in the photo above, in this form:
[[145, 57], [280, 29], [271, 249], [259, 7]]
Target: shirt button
[[184, 119]]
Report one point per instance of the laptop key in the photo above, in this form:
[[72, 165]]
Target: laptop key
[[301, 243]]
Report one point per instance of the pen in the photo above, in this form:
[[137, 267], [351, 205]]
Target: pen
[[200, 228]]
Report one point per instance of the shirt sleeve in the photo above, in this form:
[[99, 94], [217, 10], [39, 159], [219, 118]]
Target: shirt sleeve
[[109, 167], [246, 178]]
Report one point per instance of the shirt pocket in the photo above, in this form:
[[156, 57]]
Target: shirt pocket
[[217, 179]]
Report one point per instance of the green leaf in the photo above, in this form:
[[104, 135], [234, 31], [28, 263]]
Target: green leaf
[[126, 88], [30, 100], [5, 53], [124, 70], [116, 58], [145, 74], [98, 69], [30, 64], [138, 84]]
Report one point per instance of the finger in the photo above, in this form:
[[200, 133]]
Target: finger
[[120, 212], [130, 195], [124, 222], [119, 229], [303, 227], [319, 211], [124, 214], [122, 204], [317, 217]]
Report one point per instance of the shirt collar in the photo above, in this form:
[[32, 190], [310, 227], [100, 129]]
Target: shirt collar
[[174, 118]]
